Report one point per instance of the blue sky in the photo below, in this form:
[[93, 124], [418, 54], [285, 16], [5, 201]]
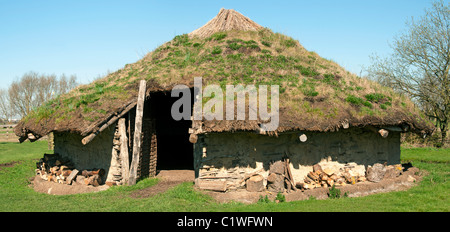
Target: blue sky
[[90, 38]]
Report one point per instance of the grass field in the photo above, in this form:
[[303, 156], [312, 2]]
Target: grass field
[[432, 194]]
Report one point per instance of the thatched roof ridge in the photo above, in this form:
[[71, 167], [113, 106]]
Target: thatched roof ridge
[[226, 20]]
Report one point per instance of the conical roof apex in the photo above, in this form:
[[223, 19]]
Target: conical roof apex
[[226, 20]]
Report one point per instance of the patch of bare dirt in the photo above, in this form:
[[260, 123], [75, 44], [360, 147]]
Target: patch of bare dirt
[[172, 178], [48, 187], [168, 179], [8, 165]]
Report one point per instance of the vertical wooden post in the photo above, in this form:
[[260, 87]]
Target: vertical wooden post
[[129, 128], [125, 163], [137, 133]]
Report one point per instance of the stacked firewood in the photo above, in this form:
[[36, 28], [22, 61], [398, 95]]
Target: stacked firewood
[[327, 178], [57, 169]]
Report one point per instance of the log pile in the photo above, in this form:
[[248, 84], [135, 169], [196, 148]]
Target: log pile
[[279, 177], [328, 177], [57, 169]]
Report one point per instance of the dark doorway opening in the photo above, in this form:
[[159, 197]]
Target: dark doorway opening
[[174, 151]]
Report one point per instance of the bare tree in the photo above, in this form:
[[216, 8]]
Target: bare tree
[[33, 89], [65, 84], [420, 63], [5, 110], [23, 94]]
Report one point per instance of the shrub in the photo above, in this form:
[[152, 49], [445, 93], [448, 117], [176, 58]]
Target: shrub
[[218, 36], [358, 101], [216, 50], [374, 97], [354, 100], [309, 72], [265, 51], [280, 197], [181, 40], [253, 46], [368, 104], [235, 40], [289, 43], [282, 59], [263, 199], [234, 46], [330, 79], [235, 57], [334, 193], [311, 92], [267, 44]]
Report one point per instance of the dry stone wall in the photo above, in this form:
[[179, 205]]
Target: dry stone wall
[[96, 154], [232, 158], [104, 151]]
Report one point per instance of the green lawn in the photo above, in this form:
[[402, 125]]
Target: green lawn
[[432, 194], [18, 152]]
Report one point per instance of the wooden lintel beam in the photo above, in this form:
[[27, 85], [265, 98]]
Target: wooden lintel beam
[[108, 123]]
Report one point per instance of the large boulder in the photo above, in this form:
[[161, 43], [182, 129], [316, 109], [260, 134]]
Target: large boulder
[[393, 171], [376, 172]]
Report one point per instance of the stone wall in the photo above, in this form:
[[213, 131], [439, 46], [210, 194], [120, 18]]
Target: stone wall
[[96, 154], [236, 155], [104, 151]]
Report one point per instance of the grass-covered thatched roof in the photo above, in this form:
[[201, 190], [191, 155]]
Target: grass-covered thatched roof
[[316, 94]]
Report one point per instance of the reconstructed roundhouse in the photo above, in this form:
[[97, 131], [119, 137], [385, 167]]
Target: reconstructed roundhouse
[[325, 112]]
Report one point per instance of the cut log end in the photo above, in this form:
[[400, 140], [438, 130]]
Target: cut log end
[[303, 138], [345, 125], [193, 138], [384, 133]]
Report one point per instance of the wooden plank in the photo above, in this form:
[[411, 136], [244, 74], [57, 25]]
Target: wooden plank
[[129, 128], [125, 163], [218, 186], [289, 176], [393, 128], [72, 176], [137, 133], [94, 126], [112, 120]]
